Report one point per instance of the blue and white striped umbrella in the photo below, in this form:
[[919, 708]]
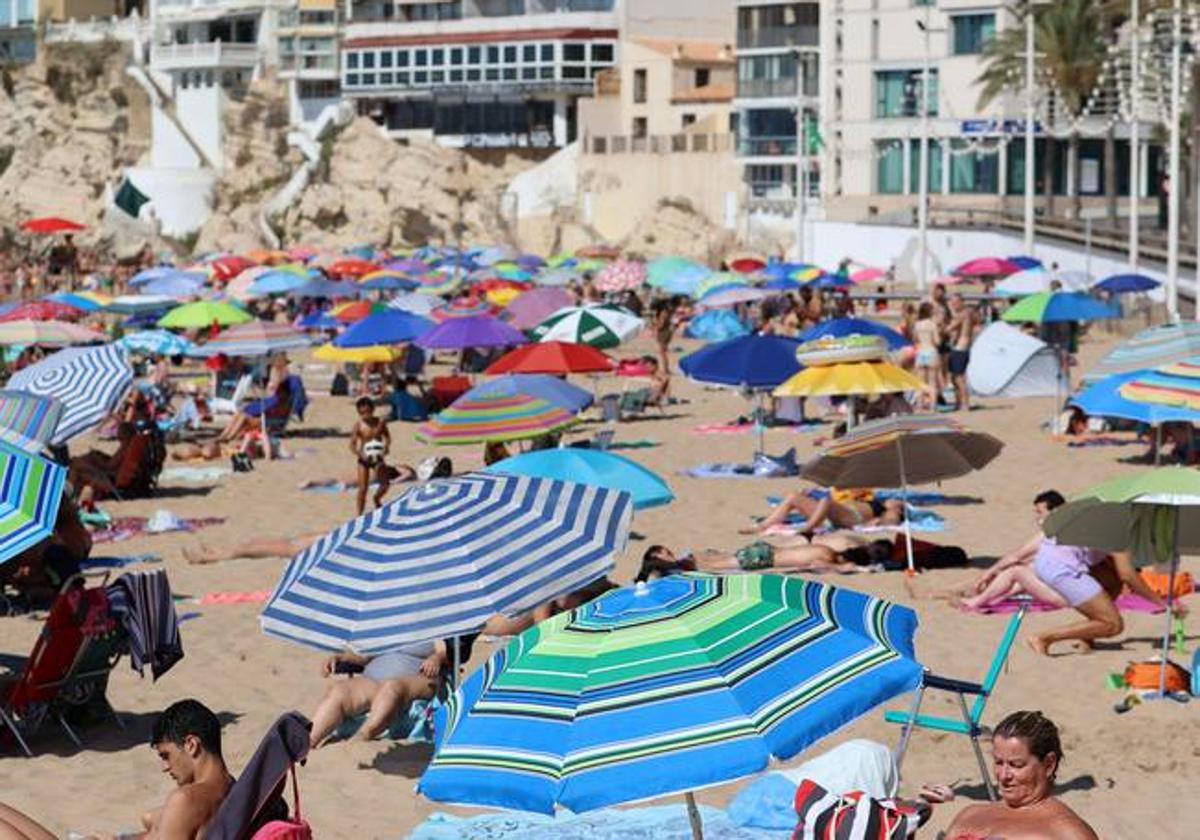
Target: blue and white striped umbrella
[[440, 560], [89, 381], [162, 342]]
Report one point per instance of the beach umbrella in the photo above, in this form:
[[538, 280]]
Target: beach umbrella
[[83, 301], [541, 385], [621, 276], [31, 489], [719, 280], [385, 353], [28, 421], [406, 265], [496, 254], [1121, 284], [676, 275], [1023, 262], [592, 467], [530, 308], [901, 451], [747, 263], [850, 379], [391, 326], [255, 338], [228, 266], [387, 280], [139, 304], [440, 281], [475, 331], [350, 267], [319, 287], [731, 295], [356, 310], [47, 333], [497, 414], [601, 325], [463, 307], [319, 320], [806, 273], [50, 224], [1149, 348], [1029, 281], [513, 274], [1103, 398], [716, 325], [984, 267], [1154, 515], [446, 556], [280, 281], [89, 381], [846, 327], [753, 362], [165, 273], [204, 313], [553, 357], [781, 284], [866, 275], [422, 305], [1176, 385], [673, 685], [561, 276], [176, 286], [1050, 307], [830, 281], [42, 310], [156, 342]]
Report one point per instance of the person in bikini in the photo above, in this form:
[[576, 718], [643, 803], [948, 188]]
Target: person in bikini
[[828, 553], [370, 442], [850, 513]]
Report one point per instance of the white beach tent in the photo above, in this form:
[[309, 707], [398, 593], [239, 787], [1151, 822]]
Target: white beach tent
[[1006, 362]]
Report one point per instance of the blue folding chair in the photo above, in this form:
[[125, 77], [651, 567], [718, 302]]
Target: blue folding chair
[[969, 723]]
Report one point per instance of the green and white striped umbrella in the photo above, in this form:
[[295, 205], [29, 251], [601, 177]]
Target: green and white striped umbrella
[[30, 491], [600, 325]]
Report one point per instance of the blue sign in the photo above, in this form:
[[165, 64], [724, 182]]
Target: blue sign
[[997, 127]]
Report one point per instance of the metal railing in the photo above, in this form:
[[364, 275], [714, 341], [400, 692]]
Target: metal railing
[[779, 36], [767, 146], [657, 144], [762, 88]]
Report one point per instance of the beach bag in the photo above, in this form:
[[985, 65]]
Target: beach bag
[[1146, 675], [293, 828], [241, 462], [850, 816], [340, 386]]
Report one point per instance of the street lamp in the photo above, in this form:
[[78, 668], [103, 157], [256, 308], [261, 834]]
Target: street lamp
[[1135, 175], [923, 164], [1030, 154], [1173, 172], [801, 185]]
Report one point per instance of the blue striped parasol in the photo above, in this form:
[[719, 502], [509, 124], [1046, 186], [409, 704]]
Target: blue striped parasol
[[444, 557], [30, 491], [161, 342], [28, 421], [89, 381]]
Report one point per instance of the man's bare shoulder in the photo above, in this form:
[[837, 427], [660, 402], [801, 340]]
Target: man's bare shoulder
[[186, 811]]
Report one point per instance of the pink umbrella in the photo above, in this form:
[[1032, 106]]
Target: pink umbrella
[[621, 276], [987, 267], [536, 305], [866, 275]]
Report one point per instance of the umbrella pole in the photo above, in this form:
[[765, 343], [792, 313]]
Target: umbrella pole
[[1166, 646], [908, 549], [1158, 444], [760, 425], [694, 817]]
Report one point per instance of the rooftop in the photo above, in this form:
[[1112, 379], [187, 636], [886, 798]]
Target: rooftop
[[690, 52]]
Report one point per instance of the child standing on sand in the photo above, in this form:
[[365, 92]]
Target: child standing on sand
[[370, 442]]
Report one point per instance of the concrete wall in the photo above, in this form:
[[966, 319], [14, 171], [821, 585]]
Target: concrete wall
[[713, 20], [180, 199]]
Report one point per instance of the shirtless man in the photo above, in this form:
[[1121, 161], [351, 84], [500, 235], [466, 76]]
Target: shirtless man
[[960, 333], [370, 442], [187, 739], [1026, 754]]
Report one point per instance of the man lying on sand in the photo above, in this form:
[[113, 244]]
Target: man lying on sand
[[1026, 754], [839, 553]]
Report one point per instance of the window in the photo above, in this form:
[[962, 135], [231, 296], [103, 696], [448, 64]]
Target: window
[[639, 85], [456, 55], [975, 171], [639, 127], [547, 52], [437, 57], [493, 55], [688, 119], [935, 166], [368, 60], [352, 61], [510, 55], [385, 58], [889, 167], [898, 93], [574, 52], [420, 58], [602, 53], [529, 53], [969, 33], [473, 55], [700, 77], [402, 58]]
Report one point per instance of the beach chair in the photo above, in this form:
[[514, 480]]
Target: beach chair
[[968, 723], [221, 405], [68, 667]]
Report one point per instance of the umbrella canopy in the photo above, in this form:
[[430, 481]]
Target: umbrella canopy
[[592, 467], [987, 267], [1150, 348], [718, 280], [30, 491], [156, 342], [1024, 262], [561, 276], [28, 421], [747, 263], [852, 378], [496, 414], [444, 557], [716, 325], [1121, 284], [255, 338], [89, 381], [1049, 307], [356, 310], [226, 267], [866, 275], [1104, 399], [85, 301], [385, 353], [281, 281], [756, 362], [391, 326], [530, 308], [47, 333], [601, 325], [388, 280], [422, 305], [845, 327], [50, 224], [476, 331], [351, 267], [674, 685], [1161, 388], [319, 320], [139, 304], [319, 287], [781, 284], [1027, 281], [676, 275], [42, 310], [554, 357], [204, 313], [182, 284], [441, 281], [165, 273], [464, 307], [621, 276], [541, 385], [731, 295]]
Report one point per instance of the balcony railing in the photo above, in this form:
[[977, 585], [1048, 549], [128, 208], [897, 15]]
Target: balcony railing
[[779, 36], [767, 146], [657, 144], [203, 54], [763, 88]]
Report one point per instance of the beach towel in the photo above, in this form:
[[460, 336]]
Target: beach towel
[[194, 473], [722, 428], [662, 822], [258, 596], [920, 519], [142, 602], [763, 466], [126, 527], [645, 443], [1101, 440], [1126, 602]]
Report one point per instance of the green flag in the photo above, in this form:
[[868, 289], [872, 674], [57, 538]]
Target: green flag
[[129, 198], [813, 134]]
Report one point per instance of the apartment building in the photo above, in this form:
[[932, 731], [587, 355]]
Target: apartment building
[[309, 35], [18, 36]]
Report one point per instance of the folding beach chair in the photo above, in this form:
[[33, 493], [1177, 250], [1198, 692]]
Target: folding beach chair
[[230, 405], [968, 724]]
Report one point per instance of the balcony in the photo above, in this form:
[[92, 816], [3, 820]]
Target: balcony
[[203, 55], [778, 36], [767, 146], [766, 88]]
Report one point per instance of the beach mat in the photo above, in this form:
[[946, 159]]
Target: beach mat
[[663, 822], [196, 474], [1126, 602], [126, 527], [763, 466]]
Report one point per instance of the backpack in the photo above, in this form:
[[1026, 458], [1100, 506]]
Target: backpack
[[340, 386], [853, 816], [293, 828]]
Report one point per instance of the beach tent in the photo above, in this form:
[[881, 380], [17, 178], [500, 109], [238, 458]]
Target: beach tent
[[1006, 362]]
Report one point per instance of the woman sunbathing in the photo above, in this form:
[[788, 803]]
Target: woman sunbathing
[[253, 549], [850, 513]]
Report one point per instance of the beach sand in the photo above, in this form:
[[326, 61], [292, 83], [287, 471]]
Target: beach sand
[[1121, 772]]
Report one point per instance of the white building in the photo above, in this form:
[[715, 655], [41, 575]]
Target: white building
[[18, 35], [309, 38]]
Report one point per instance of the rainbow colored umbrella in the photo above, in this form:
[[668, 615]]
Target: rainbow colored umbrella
[[440, 282], [356, 310], [1150, 348], [718, 279], [495, 414], [1174, 385], [468, 307]]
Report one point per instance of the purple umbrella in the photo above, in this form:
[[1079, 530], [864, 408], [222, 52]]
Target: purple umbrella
[[407, 266], [477, 331], [531, 308]]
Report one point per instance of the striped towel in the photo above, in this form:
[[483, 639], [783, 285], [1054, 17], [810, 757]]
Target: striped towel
[[142, 602]]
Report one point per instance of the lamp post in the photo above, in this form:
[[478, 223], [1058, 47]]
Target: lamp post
[[923, 163], [1030, 154], [1135, 93], [1173, 172], [801, 183]]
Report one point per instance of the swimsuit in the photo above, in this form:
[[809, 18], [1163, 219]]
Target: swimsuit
[[756, 556], [1066, 570], [402, 662]]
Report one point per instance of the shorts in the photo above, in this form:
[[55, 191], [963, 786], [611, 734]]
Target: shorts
[[1075, 585], [756, 556], [927, 357], [959, 359]]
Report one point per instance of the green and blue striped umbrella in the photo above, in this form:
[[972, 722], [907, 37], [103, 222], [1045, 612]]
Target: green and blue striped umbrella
[[30, 490], [687, 681]]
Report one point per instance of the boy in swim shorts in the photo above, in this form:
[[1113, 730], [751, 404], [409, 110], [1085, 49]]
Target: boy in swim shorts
[[370, 442]]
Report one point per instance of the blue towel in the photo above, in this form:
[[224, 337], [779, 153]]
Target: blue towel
[[921, 519], [766, 802], [662, 822], [763, 466]]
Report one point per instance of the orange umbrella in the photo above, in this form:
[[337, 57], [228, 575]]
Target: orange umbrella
[[351, 267], [50, 224]]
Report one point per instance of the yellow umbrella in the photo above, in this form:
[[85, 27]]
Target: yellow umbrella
[[358, 355], [503, 297], [850, 378]]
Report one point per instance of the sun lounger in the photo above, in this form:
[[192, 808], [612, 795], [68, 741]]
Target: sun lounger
[[221, 405], [968, 724]]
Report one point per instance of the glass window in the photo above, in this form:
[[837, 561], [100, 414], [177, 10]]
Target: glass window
[[386, 78], [493, 55], [401, 78], [510, 55], [898, 93], [402, 58], [385, 58], [529, 53], [574, 71], [437, 76], [492, 74], [510, 74], [528, 73], [351, 80], [421, 58], [602, 53], [969, 33], [889, 167], [352, 60], [574, 52], [935, 166], [368, 78], [368, 60], [545, 72], [639, 85], [473, 55], [437, 57], [456, 75], [473, 75], [973, 171], [547, 52], [456, 55]]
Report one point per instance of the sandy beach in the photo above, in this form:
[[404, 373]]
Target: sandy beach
[[1125, 774]]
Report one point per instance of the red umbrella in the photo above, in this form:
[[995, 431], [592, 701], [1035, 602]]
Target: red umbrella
[[227, 267], [351, 268], [553, 357], [50, 224], [357, 310], [747, 263], [987, 267], [493, 284], [43, 310]]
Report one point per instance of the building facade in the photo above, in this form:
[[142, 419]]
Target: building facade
[[309, 34], [18, 35]]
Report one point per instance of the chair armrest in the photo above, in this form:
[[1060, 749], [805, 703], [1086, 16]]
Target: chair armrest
[[957, 686]]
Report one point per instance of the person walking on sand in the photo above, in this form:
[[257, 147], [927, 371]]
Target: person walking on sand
[[370, 442], [927, 336], [960, 333]]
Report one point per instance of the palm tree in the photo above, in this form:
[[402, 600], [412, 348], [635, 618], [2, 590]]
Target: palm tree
[[1070, 37]]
